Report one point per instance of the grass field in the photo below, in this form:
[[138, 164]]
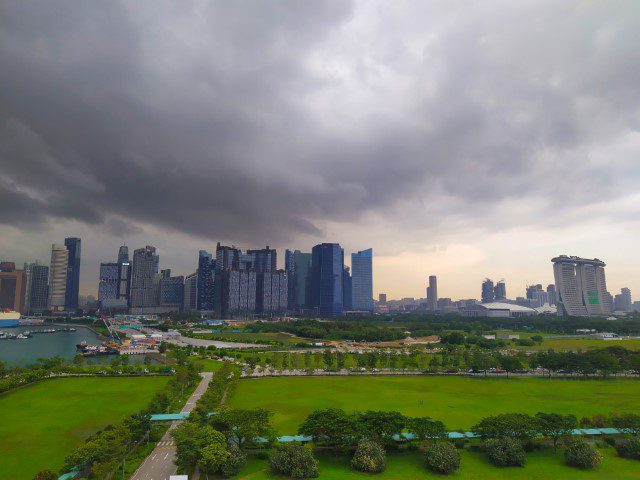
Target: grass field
[[457, 401], [541, 465], [252, 337], [44, 422], [582, 344], [208, 364]]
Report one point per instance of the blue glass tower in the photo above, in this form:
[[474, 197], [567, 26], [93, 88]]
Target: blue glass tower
[[325, 282], [206, 275], [73, 273], [362, 280]]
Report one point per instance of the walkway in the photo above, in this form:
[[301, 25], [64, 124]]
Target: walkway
[[159, 465]]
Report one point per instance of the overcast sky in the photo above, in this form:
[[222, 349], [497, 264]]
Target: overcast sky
[[456, 138]]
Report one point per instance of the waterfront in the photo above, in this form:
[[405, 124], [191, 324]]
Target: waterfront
[[45, 345]]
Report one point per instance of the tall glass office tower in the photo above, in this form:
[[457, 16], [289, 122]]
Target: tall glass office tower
[[206, 275], [325, 282], [362, 280], [73, 273]]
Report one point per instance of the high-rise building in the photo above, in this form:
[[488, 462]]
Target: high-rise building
[[302, 263], [109, 285], [551, 294], [622, 301], [271, 292], [362, 280], [581, 287], [123, 254], [72, 290], [36, 287], [536, 296], [325, 279], [347, 290], [12, 287], [235, 292], [263, 260], [290, 268], [190, 301], [171, 291], [382, 298], [500, 291], [488, 294], [227, 257], [58, 277], [206, 277], [432, 293], [144, 269]]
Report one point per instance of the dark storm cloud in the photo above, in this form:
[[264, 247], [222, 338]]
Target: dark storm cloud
[[235, 120]]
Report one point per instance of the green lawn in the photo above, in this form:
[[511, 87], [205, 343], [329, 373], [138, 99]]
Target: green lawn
[[458, 401], [251, 337], [541, 465], [582, 344], [208, 364], [44, 422]]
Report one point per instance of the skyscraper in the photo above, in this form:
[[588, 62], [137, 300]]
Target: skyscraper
[[362, 280], [37, 287], [271, 292], [488, 294], [347, 289], [58, 277], [382, 298], [145, 265], [622, 301], [302, 263], [581, 288], [290, 268], [171, 291], [123, 254], [206, 277], [108, 285], [551, 294], [12, 287], [73, 245], [227, 257], [264, 260], [325, 282], [432, 293], [500, 291], [190, 301]]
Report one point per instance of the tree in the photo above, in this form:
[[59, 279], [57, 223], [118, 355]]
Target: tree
[[340, 360], [45, 475], [506, 452], [190, 439], [243, 425], [629, 448], [425, 428], [294, 460], [327, 357], [235, 460], [442, 457], [582, 455], [627, 422], [212, 457], [512, 425], [332, 425], [369, 457], [380, 425], [555, 426]]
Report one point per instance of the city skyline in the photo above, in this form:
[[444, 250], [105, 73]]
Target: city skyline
[[438, 134]]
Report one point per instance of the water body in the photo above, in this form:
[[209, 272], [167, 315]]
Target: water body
[[45, 345]]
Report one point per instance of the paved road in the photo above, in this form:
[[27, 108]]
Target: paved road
[[159, 464]]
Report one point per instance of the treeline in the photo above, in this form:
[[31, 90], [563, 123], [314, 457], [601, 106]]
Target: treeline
[[103, 452], [56, 366], [338, 330]]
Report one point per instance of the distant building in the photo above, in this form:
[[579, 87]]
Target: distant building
[[264, 260], [227, 257], [497, 309], [123, 254], [622, 301], [190, 299], [551, 294], [382, 298], [12, 288], [362, 280], [290, 268], [325, 282], [488, 294], [206, 278], [36, 287], [302, 263], [432, 293], [171, 291], [536, 296], [109, 286], [235, 293], [500, 291], [581, 286], [271, 292], [58, 277], [347, 290], [144, 270], [72, 289]]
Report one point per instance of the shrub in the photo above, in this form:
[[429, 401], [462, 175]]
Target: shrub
[[233, 463], [460, 443], [582, 455], [293, 460], [506, 452], [610, 441], [369, 457], [442, 457], [630, 448]]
